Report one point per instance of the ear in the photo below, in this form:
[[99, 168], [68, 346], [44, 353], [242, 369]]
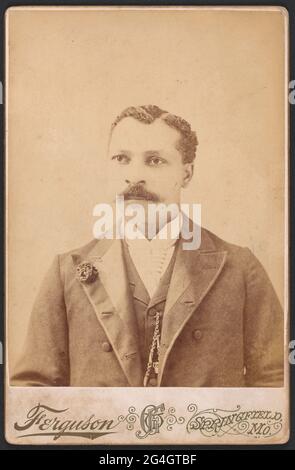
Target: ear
[[187, 174]]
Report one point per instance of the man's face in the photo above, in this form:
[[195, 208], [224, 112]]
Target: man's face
[[144, 164]]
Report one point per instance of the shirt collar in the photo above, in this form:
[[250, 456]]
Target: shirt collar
[[166, 237]]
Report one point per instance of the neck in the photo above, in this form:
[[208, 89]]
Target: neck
[[150, 230]]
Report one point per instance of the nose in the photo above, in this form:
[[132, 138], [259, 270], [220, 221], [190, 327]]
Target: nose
[[134, 182], [134, 173]]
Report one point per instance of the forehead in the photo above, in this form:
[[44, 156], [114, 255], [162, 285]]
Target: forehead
[[131, 134]]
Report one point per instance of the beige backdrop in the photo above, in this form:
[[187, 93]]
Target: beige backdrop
[[69, 74]]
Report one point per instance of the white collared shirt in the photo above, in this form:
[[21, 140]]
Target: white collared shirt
[[152, 257]]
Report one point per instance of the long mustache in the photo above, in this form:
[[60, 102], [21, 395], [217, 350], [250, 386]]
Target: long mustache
[[139, 192]]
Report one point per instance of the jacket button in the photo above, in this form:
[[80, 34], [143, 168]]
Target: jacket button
[[152, 382], [106, 347], [197, 334]]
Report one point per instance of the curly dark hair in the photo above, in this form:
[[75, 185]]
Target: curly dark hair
[[188, 141]]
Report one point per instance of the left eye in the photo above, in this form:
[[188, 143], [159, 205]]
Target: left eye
[[156, 161]]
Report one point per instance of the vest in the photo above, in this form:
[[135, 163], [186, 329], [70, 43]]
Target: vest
[[145, 307]]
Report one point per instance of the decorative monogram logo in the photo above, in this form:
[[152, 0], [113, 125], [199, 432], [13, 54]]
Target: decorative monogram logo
[[151, 420]]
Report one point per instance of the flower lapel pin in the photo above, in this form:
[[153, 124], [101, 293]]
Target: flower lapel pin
[[86, 272]]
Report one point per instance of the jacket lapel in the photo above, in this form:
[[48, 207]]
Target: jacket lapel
[[138, 288], [194, 274], [111, 299]]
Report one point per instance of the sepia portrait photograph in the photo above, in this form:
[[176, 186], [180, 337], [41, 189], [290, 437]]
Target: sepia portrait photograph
[[147, 225]]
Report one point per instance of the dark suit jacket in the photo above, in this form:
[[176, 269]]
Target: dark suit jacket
[[222, 324]]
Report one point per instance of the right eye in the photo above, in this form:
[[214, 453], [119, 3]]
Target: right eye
[[121, 158]]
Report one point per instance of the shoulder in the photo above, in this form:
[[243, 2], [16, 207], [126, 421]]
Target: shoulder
[[211, 241], [68, 261], [239, 256], [240, 260]]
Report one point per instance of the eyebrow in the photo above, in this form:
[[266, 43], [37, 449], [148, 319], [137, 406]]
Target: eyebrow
[[151, 153], [121, 151]]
